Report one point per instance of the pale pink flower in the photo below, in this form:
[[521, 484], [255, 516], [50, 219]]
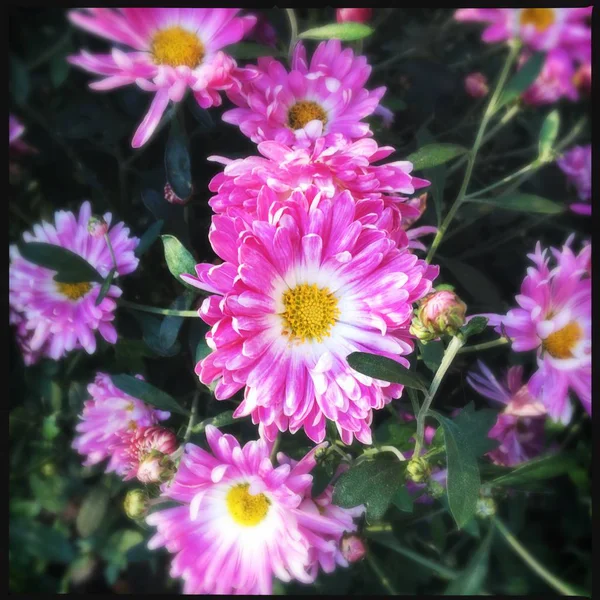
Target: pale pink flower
[[554, 82], [576, 164]]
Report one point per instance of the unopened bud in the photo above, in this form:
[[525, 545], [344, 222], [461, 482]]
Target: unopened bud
[[440, 313], [352, 547], [97, 227], [486, 507], [418, 470], [136, 504], [155, 467], [355, 15], [172, 198], [49, 469], [435, 489], [476, 85]]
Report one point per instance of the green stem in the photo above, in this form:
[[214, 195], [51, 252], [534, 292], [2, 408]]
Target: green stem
[[275, 447], [110, 249], [385, 582], [453, 347], [532, 166], [158, 311], [291, 15], [484, 346], [395, 451], [533, 564], [487, 115], [193, 411]]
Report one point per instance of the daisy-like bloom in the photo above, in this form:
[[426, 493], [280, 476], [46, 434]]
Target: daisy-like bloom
[[106, 416], [299, 291], [166, 51], [241, 521], [296, 107], [576, 164], [555, 319], [538, 28], [331, 165], [60, 317], [520, 426], [556, 80], [143, 452]]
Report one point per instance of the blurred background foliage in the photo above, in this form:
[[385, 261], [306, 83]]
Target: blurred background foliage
[[68, 530]]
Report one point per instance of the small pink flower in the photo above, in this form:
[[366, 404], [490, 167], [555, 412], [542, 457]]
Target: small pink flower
[[166, 51], [356, 15], [576, 164], [554, 82], [476, 85], [353, 548]]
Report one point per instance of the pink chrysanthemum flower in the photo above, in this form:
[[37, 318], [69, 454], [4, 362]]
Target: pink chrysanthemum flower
[[296, 107], [555, 319], [61, 317], [106, 416], [576, 164], [301, 289], [241, 522], [167, 51], [520, 426], [554, 82], [332, 166], [538, 28]]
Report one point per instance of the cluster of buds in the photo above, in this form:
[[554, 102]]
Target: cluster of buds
[[440, 313], [172, 198], [97, 227], [418, 470]]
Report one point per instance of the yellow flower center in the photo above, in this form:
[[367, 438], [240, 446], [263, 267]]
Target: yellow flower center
[[560, 344], [74, 291], [175, 47], [310, 312], [246, 510], [304, 112], [540, 18]]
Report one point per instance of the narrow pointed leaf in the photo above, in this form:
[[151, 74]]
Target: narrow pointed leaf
[[433, 155], [385, 369], [106, 286], [148, 393], [347, 32]]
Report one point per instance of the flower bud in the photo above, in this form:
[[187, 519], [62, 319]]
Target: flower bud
[[136, 504], [356, 15], [97, 227], [172, 198], [418, 470], [439, 313], [476, 85], [49, 469], [155, 467], [352, 547], [486, 507], [435, 489]]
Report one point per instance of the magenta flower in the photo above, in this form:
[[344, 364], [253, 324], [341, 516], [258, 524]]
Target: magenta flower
[[61, 317], [241, 521], [538, 28], [357, 15], [331, 166], [105, 418], [297, 107], [301, 289], [556, 80], [476, 85], [412, 210], [555, 319], [167, 51], [520, 426], [576, 164]]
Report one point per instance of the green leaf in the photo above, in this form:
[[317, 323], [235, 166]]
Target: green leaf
[[106, 286], [250, 50], [470, 581], [385, 369], [545, 467], [70, 267], [129, 355], [41, 541], [321, 479], [149, 237], [473, 327], [479, 286], [92, 511], [177, 161], [548, 135], [475, 426], [179, 259], [522, 79], [463, 480], [201, 115], [49, 428], [50, 492], [432, 354], [151, 325], [347, 32], [19, 81], [393, 433], [373, 483], [402, 500], [148, 393], [528, 203], [170, 326], [222, 419], [28, 509], [59, 70], [433, 155]]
